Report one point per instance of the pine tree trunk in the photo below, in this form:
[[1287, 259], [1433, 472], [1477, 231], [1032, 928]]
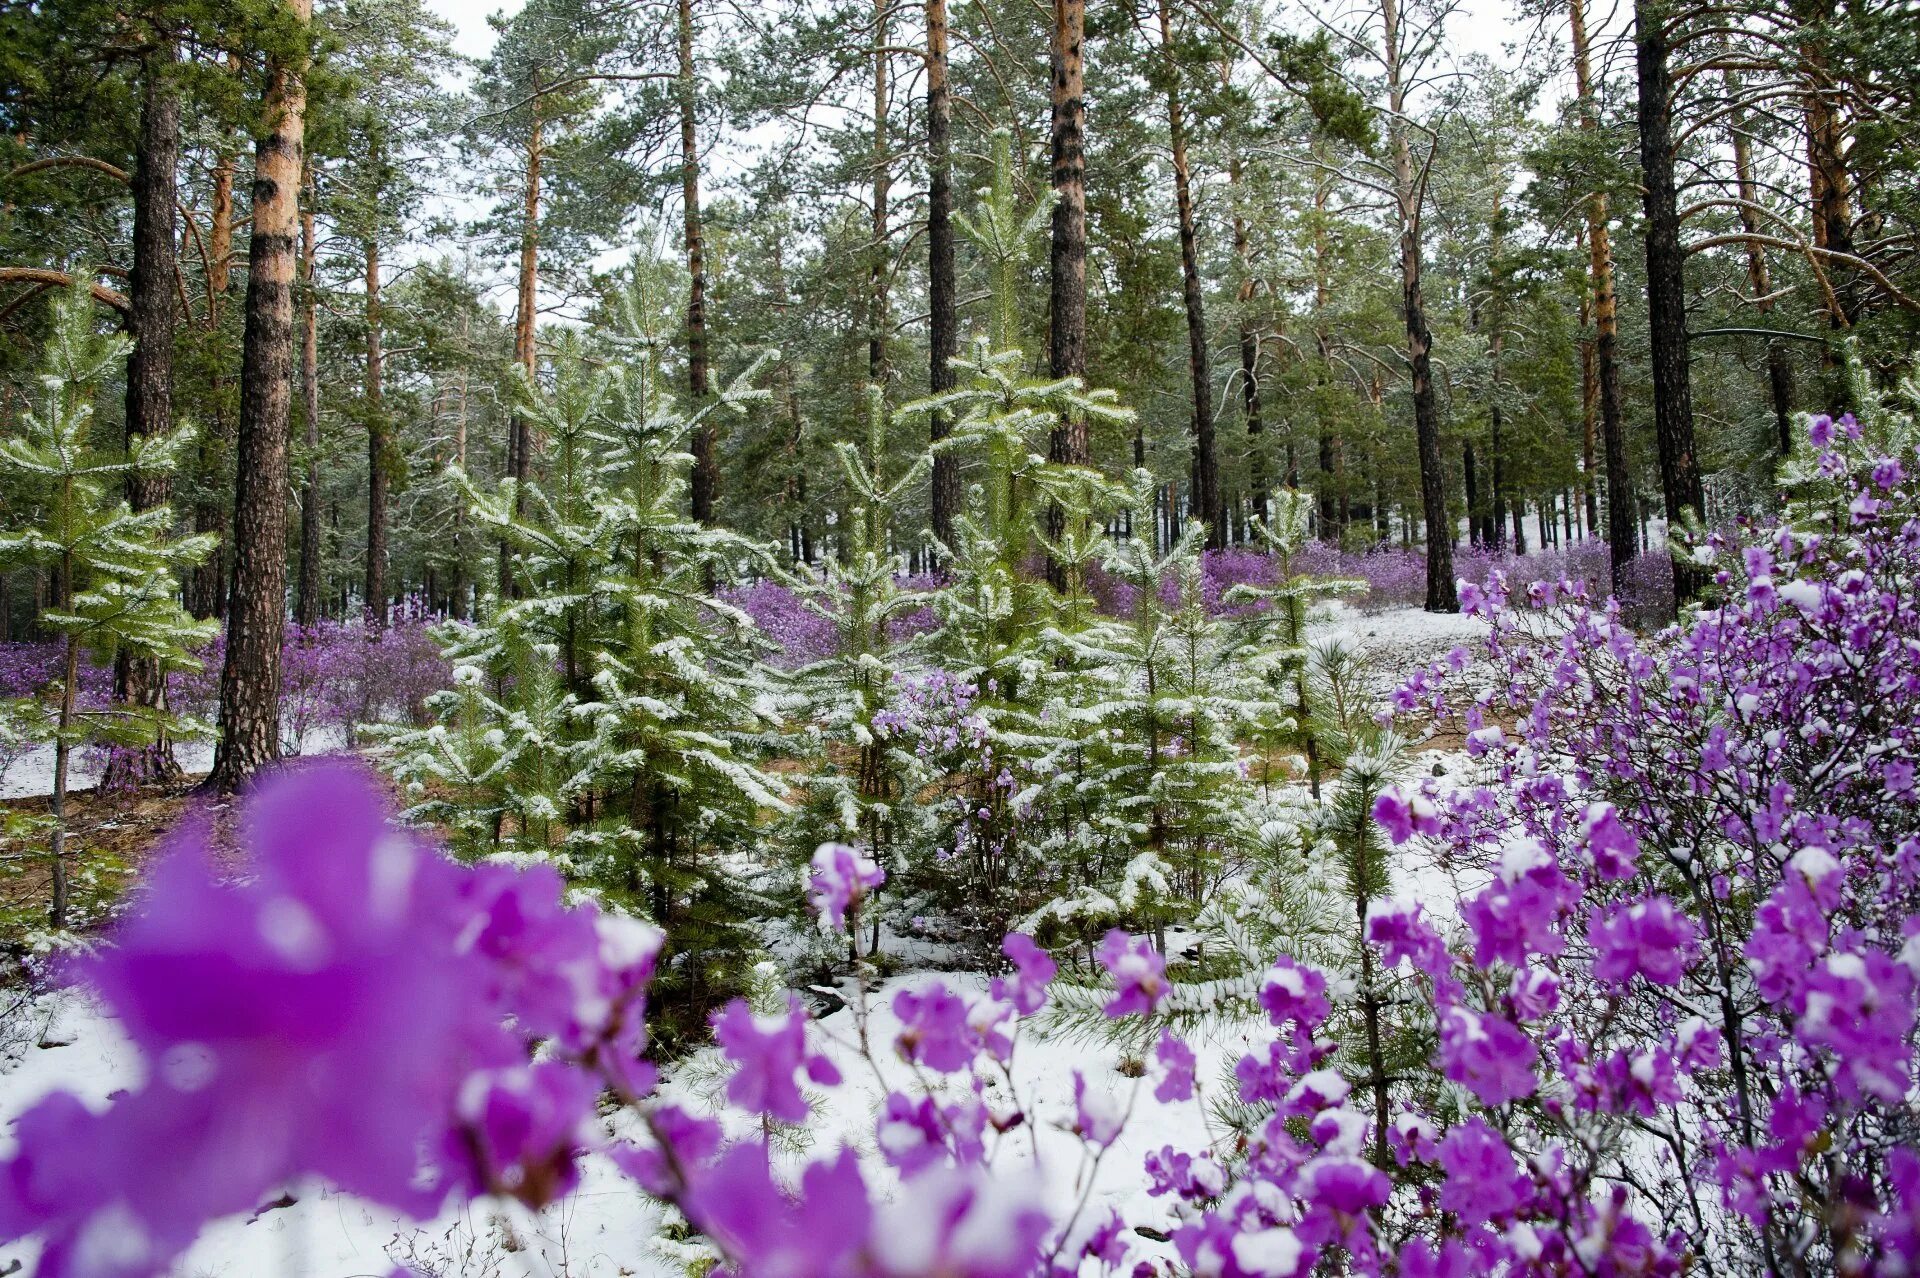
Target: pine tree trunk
[[1409, 192], [1759, 278], [375, 593], [943, 323], [250, 681], [705, 484], [457, 587], [1589, 410], [1332, 529], [1473, 492], [1606, 329], [307, 609], [1067, 266], [1067, 350], [877, 318], [1259, 484], [1829, 186], [207, 587], [62, 755], [525, 320], [151, 320], [1666, 288], [1206, 462]]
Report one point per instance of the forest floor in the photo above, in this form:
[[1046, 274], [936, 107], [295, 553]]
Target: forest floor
[[59, 1039]]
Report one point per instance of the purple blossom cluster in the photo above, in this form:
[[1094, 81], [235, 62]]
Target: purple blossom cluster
[[361, 1009], [979, 796], [336, 675], [1701, 865], [801, 633], [1397, 578]]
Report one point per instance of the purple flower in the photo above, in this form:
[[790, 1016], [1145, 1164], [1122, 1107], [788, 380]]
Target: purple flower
[[1487, 1055], [935, 1029], [1483, 1184], [1419, 1259], [1820, 431], [680, 1139], [1402, 814], [764, 1229], [1860, 1006], [909, 1133], [319, 1018], [1403, 934], [767, 1051], [1898, 1227], [965, 1222], [1294, 993], [1517, 916], [1033, 971], [1176, 1063], [1097, 1114], [1647, 938], [1344, 1184], [1611, 844], [523, 1129], [842, 877], [1138, 972]]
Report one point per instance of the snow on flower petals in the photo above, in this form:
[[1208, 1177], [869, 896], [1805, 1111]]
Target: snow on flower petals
[[1139, 973], [842, 876]]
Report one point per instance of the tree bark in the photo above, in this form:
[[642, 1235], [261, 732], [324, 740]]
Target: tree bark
[[1759, 278], [1589, 411], [250, 680], [1067, 265], [1829, 185], [1067, 331], [1606, 330], [457, 587], [1259, 484], [1332, 526], [1409, 191], [877, 320], [207, 588], [706, 472], [525, 318], [307, 609], [1206, 463], [1666, 287], [943, 324], [378, 477], [152, 317], [1469, 474]]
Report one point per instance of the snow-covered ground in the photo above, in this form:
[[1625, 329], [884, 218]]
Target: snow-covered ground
[[1399, 639], [32, 773], [607, 1228]]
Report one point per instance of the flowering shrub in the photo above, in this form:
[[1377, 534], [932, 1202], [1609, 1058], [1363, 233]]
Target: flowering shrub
[[1702, 866], [801, 633], [333, 676], [1397, 578]]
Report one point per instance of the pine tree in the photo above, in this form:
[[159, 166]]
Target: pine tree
[[1274, 627], [114, 569], [610, 714], [853, 695]]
